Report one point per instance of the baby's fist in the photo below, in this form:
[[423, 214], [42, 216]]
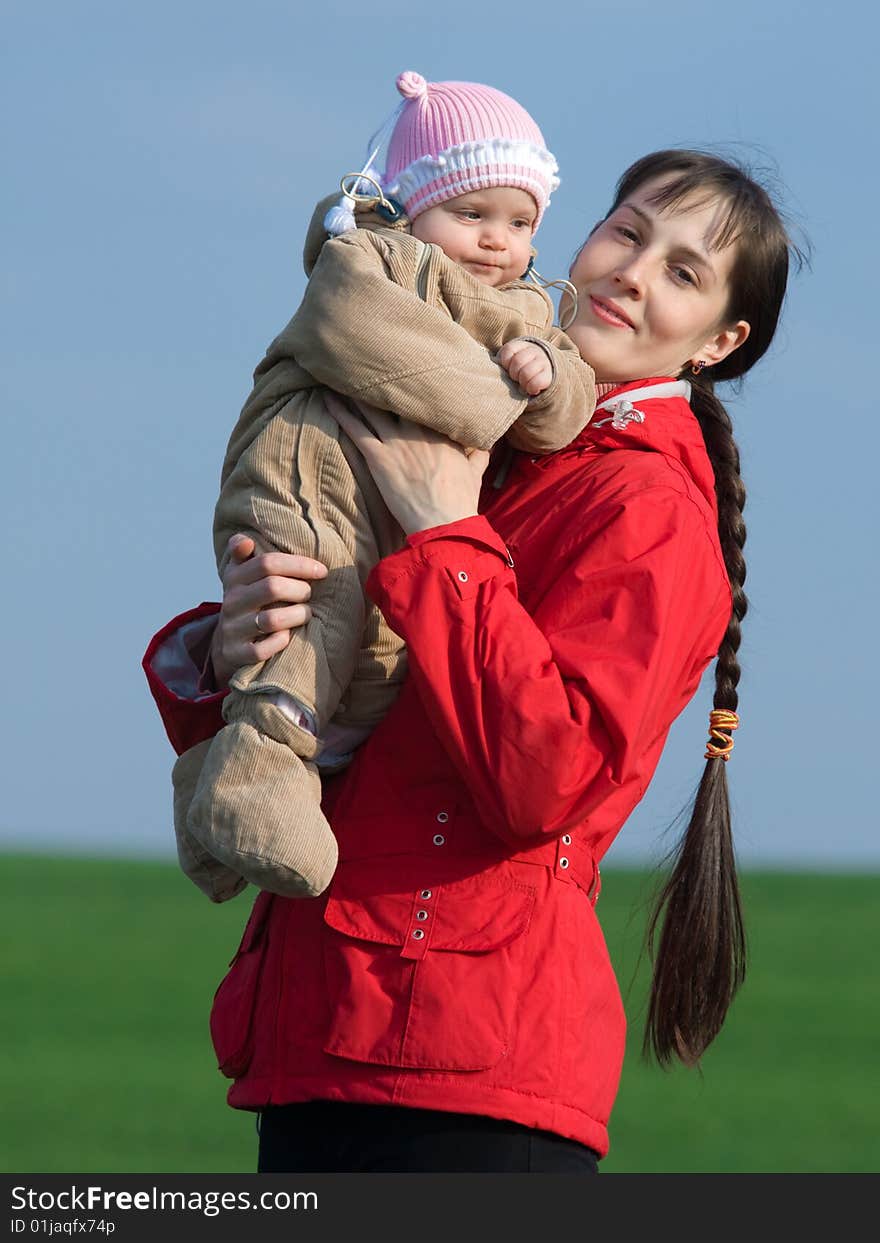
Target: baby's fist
[[527, 364]]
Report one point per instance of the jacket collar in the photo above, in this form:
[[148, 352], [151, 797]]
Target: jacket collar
[[654, 416]]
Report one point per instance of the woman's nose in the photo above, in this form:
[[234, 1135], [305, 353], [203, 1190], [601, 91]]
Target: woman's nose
[[632, 276]]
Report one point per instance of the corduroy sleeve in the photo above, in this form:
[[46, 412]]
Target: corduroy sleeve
[[172, 665], [359, 333], [546, 716]]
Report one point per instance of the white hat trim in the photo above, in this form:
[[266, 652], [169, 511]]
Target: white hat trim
[[467, 157]]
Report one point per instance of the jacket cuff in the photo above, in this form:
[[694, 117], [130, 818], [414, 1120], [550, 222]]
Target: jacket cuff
[[475, 529], [468, 552], [172, 664]]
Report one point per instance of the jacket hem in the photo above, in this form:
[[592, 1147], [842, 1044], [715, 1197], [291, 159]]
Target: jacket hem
[[425, 1093]]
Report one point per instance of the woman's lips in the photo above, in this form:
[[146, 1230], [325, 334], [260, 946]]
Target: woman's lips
[[609, 313]]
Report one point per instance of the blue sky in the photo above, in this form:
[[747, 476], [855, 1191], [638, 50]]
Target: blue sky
[[161, 164]]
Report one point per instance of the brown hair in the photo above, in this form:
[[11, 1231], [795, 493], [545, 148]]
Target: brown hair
[[700, 958]]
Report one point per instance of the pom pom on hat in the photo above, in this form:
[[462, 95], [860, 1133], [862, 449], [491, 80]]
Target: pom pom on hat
[[411, 85], [451, 138]]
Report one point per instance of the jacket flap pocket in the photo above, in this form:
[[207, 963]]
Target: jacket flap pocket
[[481, 913], [232, 1014], [473, 915], [372, 917]]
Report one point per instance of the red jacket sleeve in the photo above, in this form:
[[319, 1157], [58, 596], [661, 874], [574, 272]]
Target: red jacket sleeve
[[547, 713], [188, 717]]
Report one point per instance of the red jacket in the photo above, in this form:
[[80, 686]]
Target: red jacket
[[456, 961]]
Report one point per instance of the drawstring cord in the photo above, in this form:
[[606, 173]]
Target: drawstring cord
[[623, 411], [340, 217], [560, 283]]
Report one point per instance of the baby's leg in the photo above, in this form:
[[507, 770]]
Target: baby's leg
[[380, 666], [256, 802]]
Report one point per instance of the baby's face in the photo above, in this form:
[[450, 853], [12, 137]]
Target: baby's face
[[487, 232]]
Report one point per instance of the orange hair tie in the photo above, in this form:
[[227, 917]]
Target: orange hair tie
[[722, 723]]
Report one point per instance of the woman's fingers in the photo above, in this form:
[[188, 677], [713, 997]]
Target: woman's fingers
[[361, 436], [264, 599], [261, 607], [425, 478], [241, 547], [262, 648], [283, 618], [275, 627], [238, 642], [260, 582], [370, 424], [382, 422], [269, 564]]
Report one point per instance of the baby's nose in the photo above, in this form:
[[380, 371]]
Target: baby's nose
[[492, 238]]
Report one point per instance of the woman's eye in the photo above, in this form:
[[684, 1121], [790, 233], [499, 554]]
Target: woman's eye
[[625, 231], [684, 275]]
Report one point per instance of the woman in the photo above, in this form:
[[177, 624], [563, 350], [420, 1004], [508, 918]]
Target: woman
[[449, 1003]]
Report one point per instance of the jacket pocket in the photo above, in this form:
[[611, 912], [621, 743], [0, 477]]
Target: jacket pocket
[[232, 1014], [427, 977]]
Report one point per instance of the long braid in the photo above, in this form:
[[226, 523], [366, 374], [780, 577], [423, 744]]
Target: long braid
[[700, 962], [730, 492]]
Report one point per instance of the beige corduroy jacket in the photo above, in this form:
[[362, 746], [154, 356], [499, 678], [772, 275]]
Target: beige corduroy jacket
[[361, 331], [392, 321]]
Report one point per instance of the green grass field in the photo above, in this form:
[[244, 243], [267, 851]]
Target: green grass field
[[110, 968]]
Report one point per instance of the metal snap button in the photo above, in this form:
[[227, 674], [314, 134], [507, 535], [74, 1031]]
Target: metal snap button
[[566, 839], [563, 862], [421, 914], [425, 894], [418, 934], [439, 839], [462, 576], [442, 817]]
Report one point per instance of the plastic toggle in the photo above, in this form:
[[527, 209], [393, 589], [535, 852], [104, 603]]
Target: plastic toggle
[[625, 412], [622, 412]]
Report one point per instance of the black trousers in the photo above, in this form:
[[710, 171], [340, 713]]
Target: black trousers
[[332, 1137]]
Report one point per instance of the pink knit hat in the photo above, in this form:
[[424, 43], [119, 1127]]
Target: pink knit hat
[[450, 138]]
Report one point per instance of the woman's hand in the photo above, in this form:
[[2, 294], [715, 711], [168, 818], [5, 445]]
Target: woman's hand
[[264, 599], [425, 479]]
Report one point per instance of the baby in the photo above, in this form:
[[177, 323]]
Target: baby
[[417, 304]]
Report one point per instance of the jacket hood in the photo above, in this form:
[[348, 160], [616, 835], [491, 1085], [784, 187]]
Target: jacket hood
[[366, 218], [653, 415]]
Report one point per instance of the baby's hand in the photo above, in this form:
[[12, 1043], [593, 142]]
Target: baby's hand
[[527, 365]]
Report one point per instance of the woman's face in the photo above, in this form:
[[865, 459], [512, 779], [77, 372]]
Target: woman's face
[[652, 293]]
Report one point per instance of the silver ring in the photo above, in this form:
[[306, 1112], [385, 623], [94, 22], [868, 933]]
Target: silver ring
[[260, 629]]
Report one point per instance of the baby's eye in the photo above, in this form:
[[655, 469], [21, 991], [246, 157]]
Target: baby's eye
[[467, 213], [522, 224]]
